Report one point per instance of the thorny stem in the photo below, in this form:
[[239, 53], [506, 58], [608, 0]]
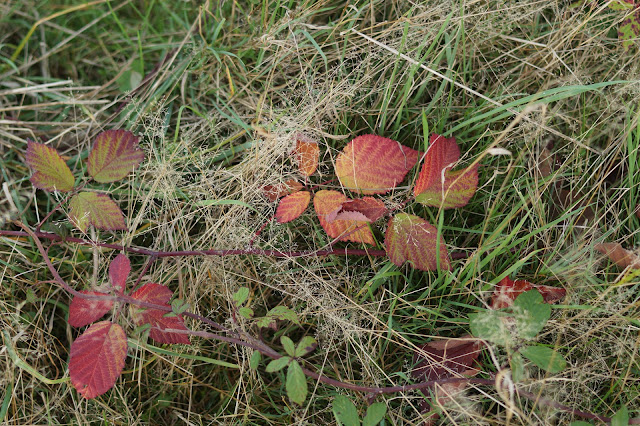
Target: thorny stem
[[259, 345], [346, 251]]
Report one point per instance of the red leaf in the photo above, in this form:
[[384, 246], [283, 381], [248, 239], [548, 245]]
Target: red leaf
[[273, 192], [374, 165], [443, 359], [307, 154], [508, 290], [619, 255], [327, 203], [97, 358], [119, 270], [85, 311], [292, 206], [50, 172], [367, 209], [90, 208], [412, 239], [114, 155], [437, 185], [159, 295]]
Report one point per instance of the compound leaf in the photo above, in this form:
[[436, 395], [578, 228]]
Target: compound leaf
[[159, 295], [292, 206], [275, 314], [119, 271], [629, 30], [327, 204], [436, 185], [412, 239], [85, 311], [545, 358], [97, 358], [296, 383], [374, 165], [307, 154], [440, 359], [51, 173], [90, 208], [114, 155]]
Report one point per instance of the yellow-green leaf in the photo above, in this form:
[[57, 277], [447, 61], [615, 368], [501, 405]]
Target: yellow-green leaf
[[50, 172], [90, 208]]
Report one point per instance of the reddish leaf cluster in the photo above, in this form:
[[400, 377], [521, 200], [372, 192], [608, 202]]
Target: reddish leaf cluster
[[114, 154], [97, 357], [371, 164]]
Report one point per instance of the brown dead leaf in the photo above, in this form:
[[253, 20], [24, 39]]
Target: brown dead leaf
[[619, 255]]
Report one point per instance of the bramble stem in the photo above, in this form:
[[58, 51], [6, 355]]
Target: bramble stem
[[259, 345]]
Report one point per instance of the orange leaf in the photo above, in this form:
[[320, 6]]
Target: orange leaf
[[618, 255], [508, 290], [292, 206], [438, 186], [374, 165], [159, 295], [51, 173], [114, 155], [412, 239], [327, 203], [90, 208], [273, 192], [307, 154], [97, 358]]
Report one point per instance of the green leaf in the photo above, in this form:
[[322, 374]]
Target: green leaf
[[345, 411], [305, 346], [531, 314], [114, 155], [241, 296], [375, 414], [50, 172], [278, 313], [91, 208], [246, 312], [288, 346], [517, 367], [256, 357], [296, 383], [621, 418], [278, 364], [488, 325], [545, 358], [178, 306]]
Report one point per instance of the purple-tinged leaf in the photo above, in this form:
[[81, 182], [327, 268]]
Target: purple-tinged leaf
[[114, 155]]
